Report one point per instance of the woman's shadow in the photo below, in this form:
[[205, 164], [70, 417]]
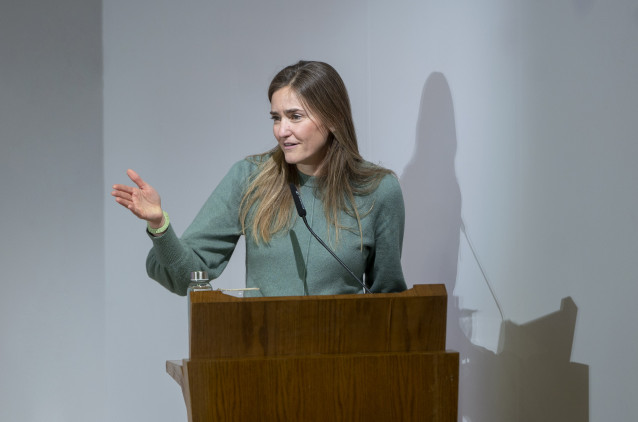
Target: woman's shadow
[[529, 376]]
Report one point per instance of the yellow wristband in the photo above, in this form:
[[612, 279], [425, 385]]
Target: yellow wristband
[[159, 230]]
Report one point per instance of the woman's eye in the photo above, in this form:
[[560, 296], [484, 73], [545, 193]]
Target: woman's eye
[[274, 118], [296, 117]]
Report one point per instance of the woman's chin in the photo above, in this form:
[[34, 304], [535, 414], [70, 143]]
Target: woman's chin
[[290, 158]]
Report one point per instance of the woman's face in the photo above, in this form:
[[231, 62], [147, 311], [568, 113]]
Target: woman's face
[[302, 138]]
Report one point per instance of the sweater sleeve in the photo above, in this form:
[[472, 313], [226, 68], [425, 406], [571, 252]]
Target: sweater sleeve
[[383, 272], [208, 243]]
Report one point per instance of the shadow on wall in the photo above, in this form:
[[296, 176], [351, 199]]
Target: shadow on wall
[[529, 377]]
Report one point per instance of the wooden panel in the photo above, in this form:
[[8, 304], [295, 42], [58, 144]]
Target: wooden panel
[[377, 387], [174, 369], [225, 326]]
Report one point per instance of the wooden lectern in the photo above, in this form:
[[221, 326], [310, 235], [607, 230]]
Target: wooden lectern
[[378, 357]]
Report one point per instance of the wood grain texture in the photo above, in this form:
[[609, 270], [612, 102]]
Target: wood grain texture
[[382, 387], [374, 357], [223, 326], [174, 369]]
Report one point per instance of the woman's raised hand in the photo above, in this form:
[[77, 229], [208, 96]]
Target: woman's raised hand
[[143, 200]]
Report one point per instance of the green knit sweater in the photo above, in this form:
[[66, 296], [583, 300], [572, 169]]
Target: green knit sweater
[[293, 262]]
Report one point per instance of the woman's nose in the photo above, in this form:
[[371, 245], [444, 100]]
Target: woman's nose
[[283, 129]]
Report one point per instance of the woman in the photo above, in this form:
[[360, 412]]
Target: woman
[[356, 206]]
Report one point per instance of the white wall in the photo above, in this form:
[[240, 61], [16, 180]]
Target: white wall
[[544, 102], [185, 97], [51, 212], [511, 124]]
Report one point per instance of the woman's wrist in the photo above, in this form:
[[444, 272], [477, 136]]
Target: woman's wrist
[[156, 223], [155, 228]]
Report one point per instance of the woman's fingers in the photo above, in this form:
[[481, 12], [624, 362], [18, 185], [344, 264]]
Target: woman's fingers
[[121, 198], [143, 200], [123, 189], [122, 195], [135, 178]]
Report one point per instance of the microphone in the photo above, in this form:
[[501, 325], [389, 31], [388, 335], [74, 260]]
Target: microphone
[[301, 210]]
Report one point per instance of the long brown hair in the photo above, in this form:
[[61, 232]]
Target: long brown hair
[[267, 205]]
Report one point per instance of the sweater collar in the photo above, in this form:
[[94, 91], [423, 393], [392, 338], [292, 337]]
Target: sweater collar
[[306, 180]]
